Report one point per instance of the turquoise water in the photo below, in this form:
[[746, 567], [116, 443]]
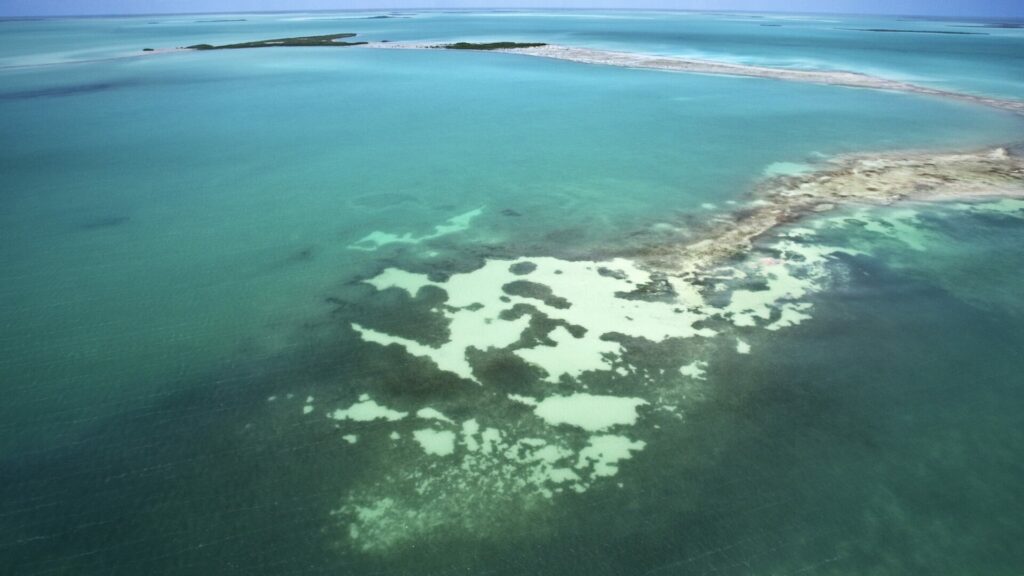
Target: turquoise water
[[184, 249]]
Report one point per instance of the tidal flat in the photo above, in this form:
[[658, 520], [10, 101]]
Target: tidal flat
[[621, 303]]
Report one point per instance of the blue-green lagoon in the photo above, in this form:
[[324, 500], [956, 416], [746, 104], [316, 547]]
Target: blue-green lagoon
[[360, 311]]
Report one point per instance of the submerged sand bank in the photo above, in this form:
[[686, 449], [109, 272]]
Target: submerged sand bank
[[832, 78], [877, 179], [694, 66]]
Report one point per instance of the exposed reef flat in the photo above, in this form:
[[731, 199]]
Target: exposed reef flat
[[829, 77], [879, 179], [326, 40]]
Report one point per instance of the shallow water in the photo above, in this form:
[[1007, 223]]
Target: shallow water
[[204, 253]]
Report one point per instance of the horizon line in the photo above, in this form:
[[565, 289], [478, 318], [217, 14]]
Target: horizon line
[[511, 9]]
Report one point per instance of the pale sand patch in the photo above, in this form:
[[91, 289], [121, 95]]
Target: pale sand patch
[[570, 356], [792, 314], [522, 399], [470, 428], [367, 410], [495, 476], [398, 278], [436, 442], [720, 68], [376, 239], [695, 370], [589, 412], [829, 77], [594, 291], [606, 451], [432, 414], [469, 329], [783, 285]]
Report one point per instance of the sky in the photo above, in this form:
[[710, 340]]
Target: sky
[[979, 8]]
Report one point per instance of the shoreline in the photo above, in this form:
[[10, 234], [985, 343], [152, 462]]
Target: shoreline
[[694, 66], [879, 179]]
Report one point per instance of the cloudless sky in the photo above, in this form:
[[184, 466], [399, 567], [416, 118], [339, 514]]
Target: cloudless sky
[[981, 8]]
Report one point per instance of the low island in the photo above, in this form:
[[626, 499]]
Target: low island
[[326, 40]]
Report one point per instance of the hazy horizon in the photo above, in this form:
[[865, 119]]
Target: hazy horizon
[[948, 8]]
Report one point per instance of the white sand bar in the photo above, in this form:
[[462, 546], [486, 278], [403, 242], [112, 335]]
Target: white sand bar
[[832, 78]]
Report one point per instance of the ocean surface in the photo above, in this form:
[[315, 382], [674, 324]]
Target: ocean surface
[[353, 311]]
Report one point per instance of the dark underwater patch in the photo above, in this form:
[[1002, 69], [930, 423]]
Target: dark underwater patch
[[908, 31], [66, 90], [522, 268], [536, 291], [111, 221]]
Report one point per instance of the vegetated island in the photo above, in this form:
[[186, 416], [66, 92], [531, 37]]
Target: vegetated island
[[326, 40]]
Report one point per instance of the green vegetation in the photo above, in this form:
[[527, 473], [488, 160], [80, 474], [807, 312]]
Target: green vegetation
[[327, 40], [492, 45]]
